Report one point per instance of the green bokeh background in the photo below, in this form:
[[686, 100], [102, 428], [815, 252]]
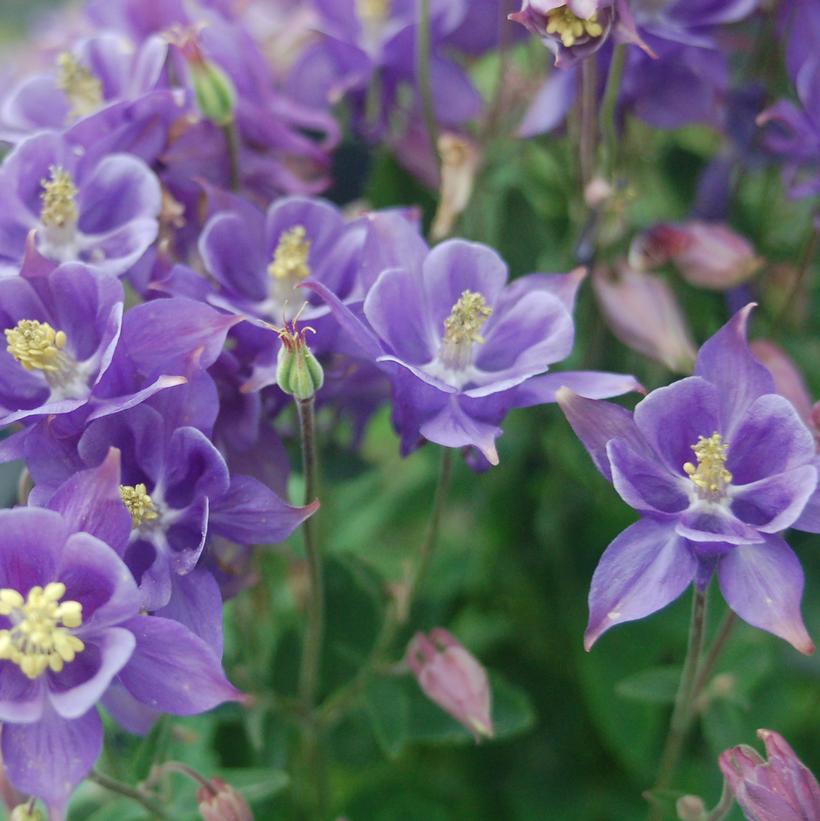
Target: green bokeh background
[[582, 731]]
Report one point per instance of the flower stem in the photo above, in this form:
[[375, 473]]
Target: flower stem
[[682, 712], [589, 119], [232, 138], [423, 75], [705, 670], [609, 126], [312, 649], [803, 265], [133, 793], [722, 808]]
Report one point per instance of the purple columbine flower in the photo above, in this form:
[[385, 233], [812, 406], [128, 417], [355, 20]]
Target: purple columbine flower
[[460, 345], [717, 464], [780, 789], [60, 573], [82, 207]]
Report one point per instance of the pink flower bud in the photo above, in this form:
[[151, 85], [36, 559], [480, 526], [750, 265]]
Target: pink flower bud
[[780, 789], [221, 802], [707, 254], [453, 679], [643, 312]]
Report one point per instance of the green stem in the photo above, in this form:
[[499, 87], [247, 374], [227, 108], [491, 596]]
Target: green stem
[[724, 806], [423, 73], [708, 666], [312, 650], [809, 250], [133, 793], [682, 713], [609, 126], [232, 138], [589, 119]]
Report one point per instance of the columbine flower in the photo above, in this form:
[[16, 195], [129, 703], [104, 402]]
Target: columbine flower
[[70, 627], [459, 344], [102, 212], [717, 464], [780, 789], [453, 679]]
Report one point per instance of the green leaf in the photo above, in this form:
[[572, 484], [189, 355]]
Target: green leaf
[[387, 702], [658, 685]]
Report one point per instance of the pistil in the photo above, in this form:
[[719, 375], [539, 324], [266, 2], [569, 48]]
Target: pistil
[[462, 330]]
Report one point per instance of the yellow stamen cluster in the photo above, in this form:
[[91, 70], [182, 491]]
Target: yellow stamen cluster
[[140, 505], [83, 90], [710, 476], [36, 345], [569, 28], [59, 199], [290, 259], [39, 638], [466, 319], [373, 11]]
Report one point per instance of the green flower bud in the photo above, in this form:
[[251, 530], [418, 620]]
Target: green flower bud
[[298, 372], [215, 92], [24, 812]]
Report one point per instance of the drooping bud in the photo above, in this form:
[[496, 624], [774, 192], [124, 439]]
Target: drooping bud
[[782, 787], [26, 812], [690, 808], [643, 312], [709, 255], [221, 802], [453, 679], [459, 163], [298, 372]]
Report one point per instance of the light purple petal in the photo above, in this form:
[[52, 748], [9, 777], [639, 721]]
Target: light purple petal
[[643, 483], [452, 427], [173, 670], [392, 241], [82, 683], [726, 361], [708, 522], [775, 503], [672, 418], [127, 711], [551, 103], [541, 390], [645, 568], [763, 584], [50, 758]]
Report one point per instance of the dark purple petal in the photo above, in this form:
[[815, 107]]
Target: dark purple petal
[[645, 568], [251, 513], [763, 584], [595, 423], [193, 468], [671, 419], [151, 567], [127, 711], [726, 361], [771, 439], [775, 503], [81, 684], [643, 483], [397, 311], [50, 758], [21, 699], [231, 248], [173, 670], [31, 540], [196, 602], [97, 578], [91, 501]]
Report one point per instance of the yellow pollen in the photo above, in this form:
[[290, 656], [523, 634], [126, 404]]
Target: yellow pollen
[[569, 28], [466, 319], [710, 476], [36, 345], [80, 86], [59, 199], [373, 11], [290, 259], [140, 505], [39, 637]]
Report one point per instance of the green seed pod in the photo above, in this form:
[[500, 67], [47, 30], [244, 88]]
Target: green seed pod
[[298, 372], [215, 92]]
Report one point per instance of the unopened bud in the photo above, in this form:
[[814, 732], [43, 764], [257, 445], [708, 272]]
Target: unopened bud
[[453, 679], [215, 92], [690, 808], [26, 812], [298, 372], [221, 802], [459, 163]]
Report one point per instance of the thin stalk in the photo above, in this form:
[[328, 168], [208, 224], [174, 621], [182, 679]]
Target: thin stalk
[[133, 793], [609, 126], [681, 714], [589, 119], [312, 649], [423, 74], [803, 265], [724, 806], [232, 138], [182, 769], [708, 666]]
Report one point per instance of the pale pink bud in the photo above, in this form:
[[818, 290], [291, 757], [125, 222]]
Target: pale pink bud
[[787, 379], [598, 192], [221, 802], [780, 789], [690, 808], [453, 679], [643, 312], [707, 254], [460, 159]]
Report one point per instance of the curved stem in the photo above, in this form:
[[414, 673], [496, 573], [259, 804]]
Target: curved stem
[[723, 807], [589, 119], [809, 249], [423, 75], [184, 769], [708, 666], [232, 138], [682, 714], [133, 793], [609, 127]]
